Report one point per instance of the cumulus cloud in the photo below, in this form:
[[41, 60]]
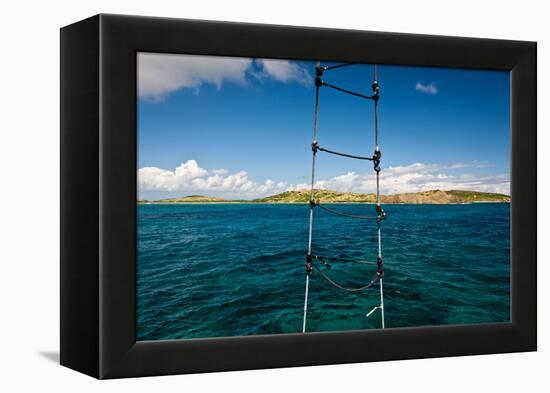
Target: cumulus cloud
[[430, 88], [420, 177], [284, 71], [190, 178], [159, 74]]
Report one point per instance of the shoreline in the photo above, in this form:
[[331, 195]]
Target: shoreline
[[305, 203], [430, 197]]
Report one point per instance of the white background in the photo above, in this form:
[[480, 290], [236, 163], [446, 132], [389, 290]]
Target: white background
[[29, 194]]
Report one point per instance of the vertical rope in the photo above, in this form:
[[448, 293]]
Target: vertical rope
[[376, 112], [377, 149], [305, 304], [382, 304], [311, 198]]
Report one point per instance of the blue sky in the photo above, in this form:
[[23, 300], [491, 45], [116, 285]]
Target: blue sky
[[242, 128]]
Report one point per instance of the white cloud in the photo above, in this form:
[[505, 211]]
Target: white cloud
[[161, 74], [284, 71], [430, 88], [190, 178], [419, 177], [190, 170]]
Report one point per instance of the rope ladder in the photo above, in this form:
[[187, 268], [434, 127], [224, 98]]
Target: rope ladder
[[313, 261]]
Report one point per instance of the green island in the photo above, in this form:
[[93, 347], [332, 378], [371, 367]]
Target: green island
[[436, 197]]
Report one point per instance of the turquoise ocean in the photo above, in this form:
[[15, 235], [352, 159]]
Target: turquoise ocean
[[215, 270]]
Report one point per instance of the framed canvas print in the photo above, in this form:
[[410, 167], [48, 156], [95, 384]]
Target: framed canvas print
[[239, 196]]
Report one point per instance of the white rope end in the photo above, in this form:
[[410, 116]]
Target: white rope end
[[371, 311]]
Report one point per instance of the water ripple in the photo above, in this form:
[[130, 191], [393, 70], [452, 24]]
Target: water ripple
[[227, 270]]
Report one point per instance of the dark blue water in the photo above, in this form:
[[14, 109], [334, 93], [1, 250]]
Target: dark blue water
[[226, 270]]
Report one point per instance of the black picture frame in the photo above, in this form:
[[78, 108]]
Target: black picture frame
[[98, 196]]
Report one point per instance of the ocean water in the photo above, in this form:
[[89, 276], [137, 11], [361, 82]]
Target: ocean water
[[213, 270]]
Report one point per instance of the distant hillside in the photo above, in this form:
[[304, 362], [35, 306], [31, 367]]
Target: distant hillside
[[191, 199], [445, 197], [425, 197], [475, 196], [438, 197], [322, 195]]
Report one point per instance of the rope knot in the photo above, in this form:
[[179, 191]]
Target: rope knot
[[309, 264], [314, 147], [319, 71], [380, 267], [375, 89], [380, 213], [376, 159]]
